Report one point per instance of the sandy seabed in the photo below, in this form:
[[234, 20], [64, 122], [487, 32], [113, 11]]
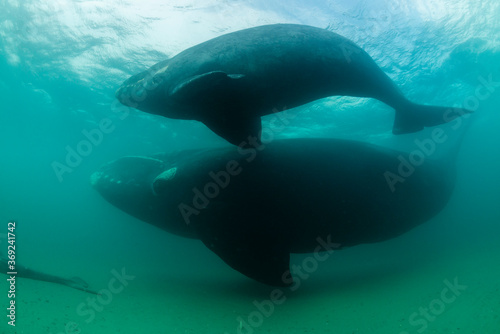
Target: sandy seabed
[[411, 284]]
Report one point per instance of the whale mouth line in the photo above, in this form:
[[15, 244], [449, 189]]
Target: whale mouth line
[[98, 177], [121, 171]]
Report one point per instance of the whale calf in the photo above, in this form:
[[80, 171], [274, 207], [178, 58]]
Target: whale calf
[[229, 82], [253, 207]]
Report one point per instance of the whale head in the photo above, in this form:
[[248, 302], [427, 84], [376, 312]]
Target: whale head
[[138, 186], [127, 183], [146, 91]]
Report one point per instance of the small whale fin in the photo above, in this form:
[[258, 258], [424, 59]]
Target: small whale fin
[[206, 82], [238, 130], [248, 242], [259, 259], [414, 117]]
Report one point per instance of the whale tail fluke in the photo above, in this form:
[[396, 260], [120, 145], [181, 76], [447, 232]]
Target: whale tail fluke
[[414, 117]]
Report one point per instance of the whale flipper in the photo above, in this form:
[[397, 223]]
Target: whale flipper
[[194, 87], [263, 261], [414, 117], [234, 122], [259, 253]]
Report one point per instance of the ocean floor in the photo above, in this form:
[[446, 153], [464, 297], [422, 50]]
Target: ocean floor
[[412, 284]]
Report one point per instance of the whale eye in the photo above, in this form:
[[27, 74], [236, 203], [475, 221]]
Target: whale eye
[[161, 181]]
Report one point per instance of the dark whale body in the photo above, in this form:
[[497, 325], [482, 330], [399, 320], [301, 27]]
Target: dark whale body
[[255, 207], [229, 82]]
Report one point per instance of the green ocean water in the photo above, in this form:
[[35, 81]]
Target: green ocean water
[[60, 64]]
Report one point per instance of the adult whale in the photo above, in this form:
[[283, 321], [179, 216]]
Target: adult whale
[[255, 207], [229, 82]]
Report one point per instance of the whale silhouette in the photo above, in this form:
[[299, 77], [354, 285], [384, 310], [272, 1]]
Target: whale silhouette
[[229, 82], [253, 207]]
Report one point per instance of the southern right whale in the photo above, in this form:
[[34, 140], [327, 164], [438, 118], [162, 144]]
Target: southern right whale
[[255, 207], [229, 82]]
